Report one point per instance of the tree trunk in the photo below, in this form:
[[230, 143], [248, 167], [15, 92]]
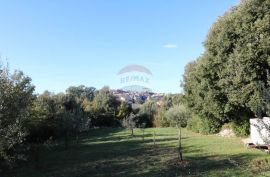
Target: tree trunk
[[132, 133], [180, 145], [143, 135]]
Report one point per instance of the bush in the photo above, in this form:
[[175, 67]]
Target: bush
[[241, 128], [193, 123], [143, 120], [203, 125], [164, 122], [210, 126]]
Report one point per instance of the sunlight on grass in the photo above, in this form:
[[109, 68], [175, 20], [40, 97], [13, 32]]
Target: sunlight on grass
[[113, 152]]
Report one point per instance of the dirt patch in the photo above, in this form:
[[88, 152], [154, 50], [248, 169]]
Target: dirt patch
[[226, 133], [178, 163]]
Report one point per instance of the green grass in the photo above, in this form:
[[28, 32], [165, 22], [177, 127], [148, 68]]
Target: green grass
[[112, 152]]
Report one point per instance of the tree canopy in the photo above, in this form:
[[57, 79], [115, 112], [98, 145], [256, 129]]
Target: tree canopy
[[230, 81]]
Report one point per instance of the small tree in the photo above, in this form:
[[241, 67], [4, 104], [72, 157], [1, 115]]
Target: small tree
[[178, 116], [142, 126], [130, 122]]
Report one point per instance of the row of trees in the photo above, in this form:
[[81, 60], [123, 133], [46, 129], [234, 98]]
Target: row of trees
[[230, 82]]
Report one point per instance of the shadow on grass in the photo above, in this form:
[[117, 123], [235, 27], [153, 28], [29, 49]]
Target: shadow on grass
[[109, 152]]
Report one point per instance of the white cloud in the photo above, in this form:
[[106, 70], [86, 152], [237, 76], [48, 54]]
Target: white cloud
[[170, 46]]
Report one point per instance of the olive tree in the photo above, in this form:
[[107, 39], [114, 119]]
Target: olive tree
[[178, 116]]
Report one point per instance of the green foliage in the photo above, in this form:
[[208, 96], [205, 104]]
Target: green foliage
[[169, 101], [129, 121], [232, 76], [177, 116], [146, 114], [210, 126], [172, 100], [102, 111], [241, 128], [161, 119], [194, 123], [40, 124], [105, 101], [203, 125], [16, 97], [82, 92], [123, 110]]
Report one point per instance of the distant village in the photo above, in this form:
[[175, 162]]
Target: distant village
[[137, 97]]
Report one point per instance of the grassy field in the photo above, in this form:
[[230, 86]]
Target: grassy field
[[112, 152]]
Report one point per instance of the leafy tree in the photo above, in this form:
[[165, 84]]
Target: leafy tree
[[104, 107], [169, 101], [105, 101], [16, 97], [82, 92], [79, 95], [231, 77], [172, 99]]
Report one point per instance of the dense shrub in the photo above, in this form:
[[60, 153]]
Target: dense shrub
[[210, 126], [143, 120], [193, 123], [203, 125], [241, 128], [105, 120], [145, 114], [161, 119]]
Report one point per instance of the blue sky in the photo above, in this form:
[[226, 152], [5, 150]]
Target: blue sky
[[59, 43]]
